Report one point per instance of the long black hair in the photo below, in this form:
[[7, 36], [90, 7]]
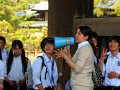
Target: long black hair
[[10, 56], [3, 39]]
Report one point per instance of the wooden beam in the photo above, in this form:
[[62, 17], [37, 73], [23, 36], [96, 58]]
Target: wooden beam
[[103, 26]]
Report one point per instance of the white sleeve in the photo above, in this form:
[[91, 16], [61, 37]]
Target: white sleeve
[[103, 72], [29, 74], [36, 71], [2, 70], [55, 73]]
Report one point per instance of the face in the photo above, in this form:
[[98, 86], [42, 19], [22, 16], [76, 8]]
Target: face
[[79, 37], [1, 44], [17, 51], [49, 48], [114, 46], [94, 41]]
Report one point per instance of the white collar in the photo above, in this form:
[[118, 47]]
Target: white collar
[[82, 44], [46, 58], [18, 57], [3, 50], [118, 55]]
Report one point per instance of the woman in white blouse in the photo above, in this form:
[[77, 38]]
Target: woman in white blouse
[[17, 67]]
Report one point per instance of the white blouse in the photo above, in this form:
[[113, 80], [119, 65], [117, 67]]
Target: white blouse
[[2, 70], [16, 71]]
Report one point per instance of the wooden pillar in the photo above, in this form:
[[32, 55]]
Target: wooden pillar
[[60, 23], [60, 19]]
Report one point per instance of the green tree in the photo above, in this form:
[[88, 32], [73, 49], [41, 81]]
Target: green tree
[[106, 8], [31, 37]]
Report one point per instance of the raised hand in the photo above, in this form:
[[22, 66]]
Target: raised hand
[[60, 53], [103, 55]]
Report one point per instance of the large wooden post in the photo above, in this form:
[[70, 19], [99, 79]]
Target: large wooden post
[[60, 19], [62, 14], [60, 23]]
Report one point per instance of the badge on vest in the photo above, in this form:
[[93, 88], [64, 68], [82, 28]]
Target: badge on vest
[[118, 63]]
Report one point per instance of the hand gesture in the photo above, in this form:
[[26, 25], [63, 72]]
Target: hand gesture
[[103, 55]]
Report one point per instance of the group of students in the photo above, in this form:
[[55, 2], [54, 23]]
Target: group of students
[[108, 62], [16, 72], [82, 63]]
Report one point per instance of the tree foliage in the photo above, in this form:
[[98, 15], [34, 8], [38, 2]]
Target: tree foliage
[[31, 37], [106, 8], [9, 7]]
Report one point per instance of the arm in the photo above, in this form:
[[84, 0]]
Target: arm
[[55, 73], [29, 75], [81, 59], [40, 87], [2, 75], [36, 67], [113, 74], [101, 64], [61, 53], [80, 56], [102, 58], [1, 84]]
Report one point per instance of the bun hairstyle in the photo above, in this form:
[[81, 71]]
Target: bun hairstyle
[[86, 31]]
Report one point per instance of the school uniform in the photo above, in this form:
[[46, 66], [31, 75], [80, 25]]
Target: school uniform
[[4, 54], [16, 74], [112, 64], [2, 70], [40, 76], [29, 75]]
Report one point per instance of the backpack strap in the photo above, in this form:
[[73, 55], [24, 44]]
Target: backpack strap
[[53, 65], [43, 64], [97, 58], [105, 61], [7, 52], [52, 70]]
